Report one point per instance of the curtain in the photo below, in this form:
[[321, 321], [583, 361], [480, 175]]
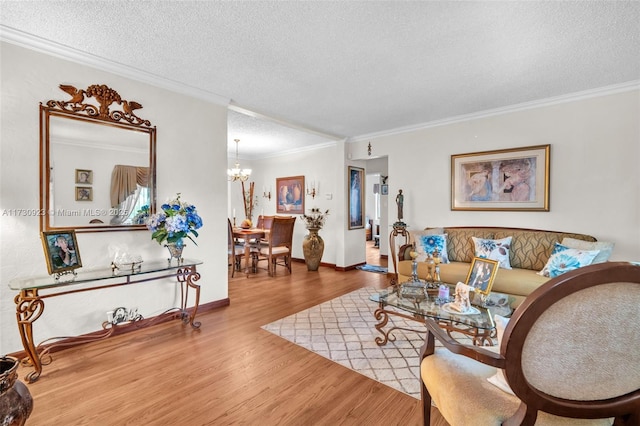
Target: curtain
[[124, 181]]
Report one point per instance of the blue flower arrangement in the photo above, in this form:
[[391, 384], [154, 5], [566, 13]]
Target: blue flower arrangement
[[176, 221]]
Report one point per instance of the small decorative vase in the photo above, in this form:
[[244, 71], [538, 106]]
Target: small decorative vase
[[16, 403], [313, 247], [175, 251]]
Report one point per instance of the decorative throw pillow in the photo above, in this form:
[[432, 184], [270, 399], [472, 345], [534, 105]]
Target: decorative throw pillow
[[426, 244], [604, 247], [498, 379], [564, 259], [494, 250]]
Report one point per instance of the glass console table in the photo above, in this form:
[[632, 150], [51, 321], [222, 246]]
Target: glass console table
[[33, 290], [414, 301]]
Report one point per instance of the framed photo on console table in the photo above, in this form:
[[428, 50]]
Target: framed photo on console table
[[481, 274], [61, 251], [506, 179]]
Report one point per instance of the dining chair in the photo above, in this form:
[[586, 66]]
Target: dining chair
[[235, 252], [568, 355], [278, 244]]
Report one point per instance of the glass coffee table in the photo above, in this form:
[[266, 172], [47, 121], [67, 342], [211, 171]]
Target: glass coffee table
[[414, 301]]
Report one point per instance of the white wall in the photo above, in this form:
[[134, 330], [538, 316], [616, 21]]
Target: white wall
[[595, 178], [191, 159]]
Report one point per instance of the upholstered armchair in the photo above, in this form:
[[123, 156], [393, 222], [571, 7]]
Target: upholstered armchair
[[570, 354]]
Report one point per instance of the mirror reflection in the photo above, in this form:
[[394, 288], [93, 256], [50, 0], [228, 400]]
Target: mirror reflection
[[96, 174]]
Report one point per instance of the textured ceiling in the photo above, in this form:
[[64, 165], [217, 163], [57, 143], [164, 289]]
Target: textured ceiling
[[351, 68]]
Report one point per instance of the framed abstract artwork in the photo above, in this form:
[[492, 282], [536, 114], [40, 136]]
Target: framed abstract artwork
[[356, 197], [506, 179], [290, 195]]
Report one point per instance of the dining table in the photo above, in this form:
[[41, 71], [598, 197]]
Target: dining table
[[249, 235]]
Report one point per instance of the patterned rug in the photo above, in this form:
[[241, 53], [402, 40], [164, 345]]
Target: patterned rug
[[343, 330]]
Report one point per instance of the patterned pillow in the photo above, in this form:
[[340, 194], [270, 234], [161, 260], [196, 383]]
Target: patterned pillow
[[604, 247], [427, 244], [494, 250], [566, 259]]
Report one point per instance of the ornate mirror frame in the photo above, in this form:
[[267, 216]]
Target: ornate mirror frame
[[97, 105]]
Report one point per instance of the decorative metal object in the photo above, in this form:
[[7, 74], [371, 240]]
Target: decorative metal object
[[175, 252]]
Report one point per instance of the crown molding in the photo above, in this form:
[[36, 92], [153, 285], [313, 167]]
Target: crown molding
[[586, 94], [29, 41]]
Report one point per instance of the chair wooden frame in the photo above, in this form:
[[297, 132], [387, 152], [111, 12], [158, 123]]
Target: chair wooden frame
[[624, 408], [234, 252], [280, 237]]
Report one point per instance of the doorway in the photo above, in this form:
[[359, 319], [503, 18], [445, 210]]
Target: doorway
[[376, 206]]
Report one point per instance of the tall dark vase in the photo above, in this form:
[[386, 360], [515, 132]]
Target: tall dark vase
[[313, 248], [16, 403]]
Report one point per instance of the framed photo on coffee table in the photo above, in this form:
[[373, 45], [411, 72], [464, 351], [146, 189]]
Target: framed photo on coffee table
[[481, 274]]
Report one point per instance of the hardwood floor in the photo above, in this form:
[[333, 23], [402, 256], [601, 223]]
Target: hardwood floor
[[230, 372], [373, 255]]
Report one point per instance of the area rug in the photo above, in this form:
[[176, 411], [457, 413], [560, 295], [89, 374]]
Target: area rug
[[372, 268], [343, 330]]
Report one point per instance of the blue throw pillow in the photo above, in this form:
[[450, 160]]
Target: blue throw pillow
[[427, 244], [564, 259]]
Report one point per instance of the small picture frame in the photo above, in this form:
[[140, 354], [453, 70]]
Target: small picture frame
[[84, 177], [61, 251], [84, 193], [384, 189], [481, 274]]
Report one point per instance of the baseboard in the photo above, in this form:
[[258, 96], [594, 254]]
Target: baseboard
[[124, 328]]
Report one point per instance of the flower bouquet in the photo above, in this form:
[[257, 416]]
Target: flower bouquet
[[176, 221], [315, 219]]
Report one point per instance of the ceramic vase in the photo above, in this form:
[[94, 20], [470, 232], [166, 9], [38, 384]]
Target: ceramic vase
[[16, 403], [313, 248]]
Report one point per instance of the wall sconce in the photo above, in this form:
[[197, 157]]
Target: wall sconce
[[369, 149], [313, 189], [266, 194]]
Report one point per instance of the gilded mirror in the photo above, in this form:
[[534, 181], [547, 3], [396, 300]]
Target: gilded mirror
[[97, 162]]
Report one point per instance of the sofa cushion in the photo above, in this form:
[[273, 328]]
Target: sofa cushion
[[530, 249], [566, 259], [460, 245], [605, 247], [427, 243], [493, 249], [517, 283]]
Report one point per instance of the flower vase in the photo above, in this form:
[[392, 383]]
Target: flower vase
[[175, 251], [16, 403], [313, 248]]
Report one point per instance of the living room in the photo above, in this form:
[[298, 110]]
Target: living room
[[594, 179]]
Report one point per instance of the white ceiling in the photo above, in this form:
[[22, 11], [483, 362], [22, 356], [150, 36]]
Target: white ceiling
[[311, 72]]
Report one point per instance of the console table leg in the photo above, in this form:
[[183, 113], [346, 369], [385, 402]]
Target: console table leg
[[189, 276], [29, 307]]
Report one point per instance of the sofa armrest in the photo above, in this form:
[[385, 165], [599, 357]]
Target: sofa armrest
[[403, 252]]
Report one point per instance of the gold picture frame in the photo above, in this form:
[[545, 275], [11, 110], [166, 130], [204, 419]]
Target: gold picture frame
[[84, 193], [84, 177], [290, 195], [514, 179], [61, 251], [481, 274]]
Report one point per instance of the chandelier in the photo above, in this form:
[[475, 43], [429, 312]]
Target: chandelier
[[237, 173]]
